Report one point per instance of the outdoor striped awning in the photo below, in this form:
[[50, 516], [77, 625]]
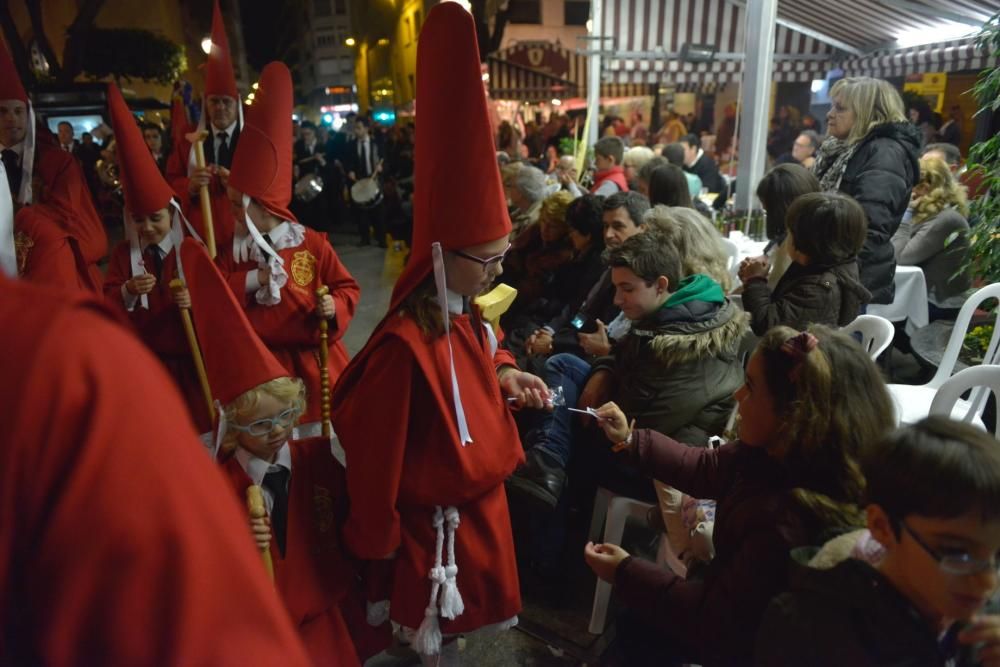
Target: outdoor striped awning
[[811, 38], [650, 26], [947, 57], [510, 81]]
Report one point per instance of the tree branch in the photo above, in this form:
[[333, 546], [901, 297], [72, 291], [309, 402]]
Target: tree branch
[[76, 39]]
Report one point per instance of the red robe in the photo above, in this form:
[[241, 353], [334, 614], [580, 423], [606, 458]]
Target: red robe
[[120, 543], [315, 575], [395, 418], [68, 202], [49, 255], [223, 222], [290, 329], [160, 327]]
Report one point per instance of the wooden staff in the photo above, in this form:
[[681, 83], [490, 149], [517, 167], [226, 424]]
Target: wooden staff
[[255, 505], [324, 370], [197, 140], [177, 285]]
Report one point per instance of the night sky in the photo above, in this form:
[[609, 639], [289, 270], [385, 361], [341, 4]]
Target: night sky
[[263, 25]]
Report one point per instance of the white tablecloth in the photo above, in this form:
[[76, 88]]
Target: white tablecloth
[[910, 303]]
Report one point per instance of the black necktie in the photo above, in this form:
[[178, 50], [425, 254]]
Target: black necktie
[[267, 239], [11, 164], [277, 483], [223, 157], [157, 261]]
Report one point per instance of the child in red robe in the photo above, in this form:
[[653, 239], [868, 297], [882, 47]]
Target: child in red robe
[[422, 411], [302, 484], [142, 265], [275, 265]]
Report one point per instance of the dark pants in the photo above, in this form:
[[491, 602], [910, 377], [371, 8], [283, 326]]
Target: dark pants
[[369, 219]]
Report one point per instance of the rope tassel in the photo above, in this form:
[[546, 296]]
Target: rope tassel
[[427, 640], [452, 605]]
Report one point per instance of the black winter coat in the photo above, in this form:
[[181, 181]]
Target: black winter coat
[[880, 176], [814, 294]]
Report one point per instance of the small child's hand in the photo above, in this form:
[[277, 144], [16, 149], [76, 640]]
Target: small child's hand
[[326, 308], [753, 267], [264, 276], [261, 529], [143, 284], [182, 298], [985, 631], [604, 559]]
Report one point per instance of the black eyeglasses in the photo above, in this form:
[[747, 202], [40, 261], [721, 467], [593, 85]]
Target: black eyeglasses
[[958, 564], [488, 263]]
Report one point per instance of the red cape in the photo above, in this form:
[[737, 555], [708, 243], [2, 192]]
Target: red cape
[[121, 543]]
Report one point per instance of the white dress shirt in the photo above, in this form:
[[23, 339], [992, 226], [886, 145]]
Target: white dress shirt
[[256, 468]]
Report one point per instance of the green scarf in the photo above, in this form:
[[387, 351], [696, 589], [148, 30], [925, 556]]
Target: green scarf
[[697, 287]]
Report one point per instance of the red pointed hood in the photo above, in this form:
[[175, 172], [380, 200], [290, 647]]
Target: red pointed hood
[[262, 164], [145, 189], [459, 199], [235, 358], [10, 80], [219, 77]]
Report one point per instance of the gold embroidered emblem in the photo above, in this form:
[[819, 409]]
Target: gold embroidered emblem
[[303, 268], [322, 508], [22, 248]]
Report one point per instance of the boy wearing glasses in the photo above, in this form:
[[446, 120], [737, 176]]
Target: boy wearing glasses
[[302, 484], [934, 507]]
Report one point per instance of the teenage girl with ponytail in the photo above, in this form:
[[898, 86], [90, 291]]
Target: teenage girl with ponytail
[[811, 402]]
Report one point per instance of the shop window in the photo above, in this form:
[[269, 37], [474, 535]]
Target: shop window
[[576, 12], [525, 11]]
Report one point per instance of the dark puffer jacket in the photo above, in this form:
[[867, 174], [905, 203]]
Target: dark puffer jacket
[[678, 368], [880, 176], [814, 294]]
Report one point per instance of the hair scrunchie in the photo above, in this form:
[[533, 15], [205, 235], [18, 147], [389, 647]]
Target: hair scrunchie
[[799, 345]]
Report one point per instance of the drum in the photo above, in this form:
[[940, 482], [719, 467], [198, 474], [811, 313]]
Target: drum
[[366, 193], [308, 187]]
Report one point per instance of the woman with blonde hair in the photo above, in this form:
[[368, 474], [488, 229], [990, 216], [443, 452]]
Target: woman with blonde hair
[[871, 155], [634, 160], [940, 212], [698, 242]]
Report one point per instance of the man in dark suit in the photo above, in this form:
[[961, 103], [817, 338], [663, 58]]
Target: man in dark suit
[[66, 140], [697, 162], [310, 158], [363, 160]]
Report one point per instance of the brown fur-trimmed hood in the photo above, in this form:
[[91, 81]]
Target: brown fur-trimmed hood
[[679, 341]]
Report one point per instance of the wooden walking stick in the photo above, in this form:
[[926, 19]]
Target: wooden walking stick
[[324, 370], [255, 505], [199, 363], [197, 140]]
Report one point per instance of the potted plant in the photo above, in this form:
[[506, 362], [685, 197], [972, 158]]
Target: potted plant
[[984, 212]]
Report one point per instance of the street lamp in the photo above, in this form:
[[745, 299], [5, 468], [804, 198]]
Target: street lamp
[[206, 45], [350, 41]]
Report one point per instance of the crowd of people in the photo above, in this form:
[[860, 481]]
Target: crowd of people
[[216, 325]]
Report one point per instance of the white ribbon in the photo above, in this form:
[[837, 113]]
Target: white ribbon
[[8, 250], [135, 254], [442, 295], [28, 159], [269, 294]]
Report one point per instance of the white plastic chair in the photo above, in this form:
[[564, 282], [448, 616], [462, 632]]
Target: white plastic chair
[[733, 252], [614, 511], [913, 402], [876, 333], [948, 401]]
